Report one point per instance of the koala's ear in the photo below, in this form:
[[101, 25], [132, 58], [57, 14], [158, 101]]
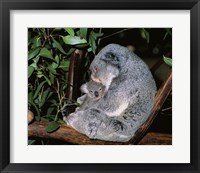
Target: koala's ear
[[111, 58], [84, 88]]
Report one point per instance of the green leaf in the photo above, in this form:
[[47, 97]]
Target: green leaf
[[38, 89], [32, 53], [84, 32], [65, 65], [36, 42], [44, 97], [70, 31], [92, 40], [52, 77], [168, 32], [167, 60], [34, 65], [52, 69], [50, 110], [35, 60], [53, 126], [39, 74], [58, 45], [89, 49], [95, 35], [73, 40], [70, 51], [145, 35], [31, 142], [35, 107], [30, 70], [44, 52], [44, 119], [37, 118], [57, 59], [80, 46], [30, 96], [48, 81]]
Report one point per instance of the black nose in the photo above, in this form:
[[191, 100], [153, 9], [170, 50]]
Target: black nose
[[96, 94]]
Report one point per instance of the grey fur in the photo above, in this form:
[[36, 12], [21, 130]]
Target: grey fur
[[93, 92], [128, 101]]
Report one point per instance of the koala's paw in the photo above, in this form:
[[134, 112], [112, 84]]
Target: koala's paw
[[118, 126], [81, 99], [72, 119], [94, 124]]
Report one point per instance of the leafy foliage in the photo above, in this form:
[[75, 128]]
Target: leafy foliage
[[49, 52], [167, 60]]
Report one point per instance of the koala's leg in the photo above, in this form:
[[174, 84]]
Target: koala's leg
[[100, 126], [77, 120], [96, 125], [114, 130]]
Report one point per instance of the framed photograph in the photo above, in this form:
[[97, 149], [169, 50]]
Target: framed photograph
[[48, 52]]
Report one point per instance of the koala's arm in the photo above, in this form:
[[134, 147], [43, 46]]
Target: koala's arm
[[81, 99]]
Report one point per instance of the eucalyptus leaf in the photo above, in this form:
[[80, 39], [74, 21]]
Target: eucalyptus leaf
[[80, 46], [34, 65], [35, 107], [48, 81], [32, 53], [57, 59], [44, 97], [51, 69], [44, 119], [73, 40], [30, 70], [84, 32], [95, 35], [50, 110], [30, 96], [52, 126], [38, 89], [92, 41], [37, 118], [58, 45], [44, 52], [39, 74], [52, 77], [168, 32], [36, 42], [167, 60], [145, 34], [70, 31], [65, 65], [31, 142], [70, 51], [54, 65]]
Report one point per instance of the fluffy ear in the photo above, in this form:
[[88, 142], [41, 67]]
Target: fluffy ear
[[111, 58], [84, 88]]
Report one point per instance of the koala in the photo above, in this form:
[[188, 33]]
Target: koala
[[93, 91], [128, 101]]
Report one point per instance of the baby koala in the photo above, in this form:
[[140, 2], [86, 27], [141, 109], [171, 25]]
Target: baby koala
[[93, 92]]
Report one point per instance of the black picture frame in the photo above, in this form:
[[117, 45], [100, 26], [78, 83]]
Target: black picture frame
[[7, 5]]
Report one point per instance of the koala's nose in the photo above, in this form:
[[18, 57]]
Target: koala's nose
[[96, 94]]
